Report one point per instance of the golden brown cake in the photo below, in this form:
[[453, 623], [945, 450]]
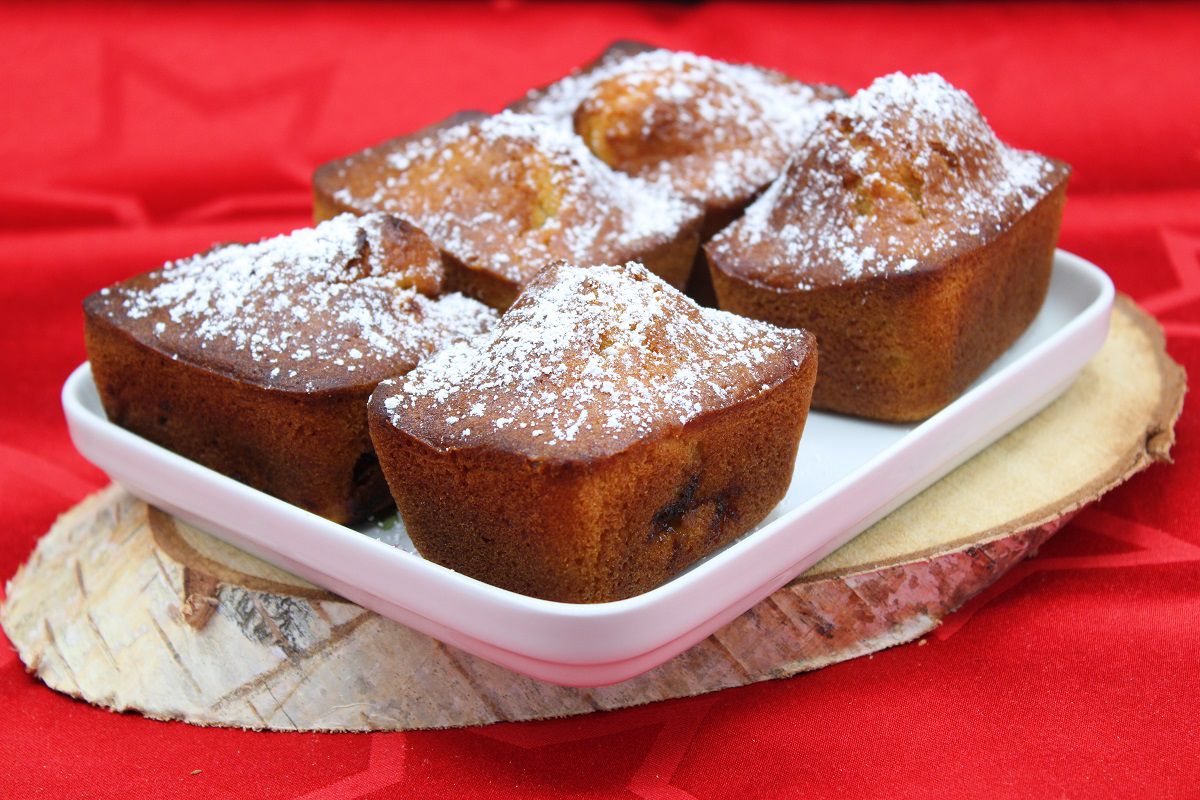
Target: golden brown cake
[[503, 196], [713, 131], [257, 360], [908, 238], [603, 436]]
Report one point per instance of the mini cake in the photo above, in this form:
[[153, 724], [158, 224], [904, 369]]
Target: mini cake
[[257, 360], [913, 243], [604, 435], [715, 132], [503, 196]]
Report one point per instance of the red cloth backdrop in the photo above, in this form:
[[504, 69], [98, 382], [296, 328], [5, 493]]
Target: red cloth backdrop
[[131, 134]]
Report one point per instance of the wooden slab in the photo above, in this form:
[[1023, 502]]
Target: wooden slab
[[123, 606]]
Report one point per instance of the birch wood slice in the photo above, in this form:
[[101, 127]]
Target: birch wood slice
[[127, 608]]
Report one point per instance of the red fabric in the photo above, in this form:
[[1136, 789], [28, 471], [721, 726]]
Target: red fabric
[[132, 133]]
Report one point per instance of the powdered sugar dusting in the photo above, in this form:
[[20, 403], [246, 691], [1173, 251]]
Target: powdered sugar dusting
[[713, 131], [904, 172], [590, 359], [511, 193], [316, 308]]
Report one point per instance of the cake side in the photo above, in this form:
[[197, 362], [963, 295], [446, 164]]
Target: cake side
[[605, 435], [604, 529], [309, 449], [901, 348]]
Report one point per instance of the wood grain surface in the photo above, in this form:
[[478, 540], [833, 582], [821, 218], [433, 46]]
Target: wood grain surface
[[125, 607]]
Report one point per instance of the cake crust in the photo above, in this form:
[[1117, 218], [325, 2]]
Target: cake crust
[[504, 195], [603, 437], [713, 131]]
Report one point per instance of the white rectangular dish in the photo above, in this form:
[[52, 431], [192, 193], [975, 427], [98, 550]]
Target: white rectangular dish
[[849, 473]]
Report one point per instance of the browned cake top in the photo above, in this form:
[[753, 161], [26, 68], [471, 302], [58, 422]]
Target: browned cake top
[[899, 177], [511, 193], [343, 304], [713, 131], [588, 361]]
